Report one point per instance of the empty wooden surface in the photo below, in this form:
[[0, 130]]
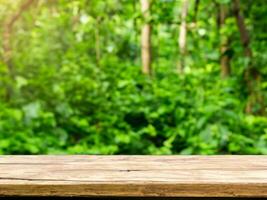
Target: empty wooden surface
[[173, 176]]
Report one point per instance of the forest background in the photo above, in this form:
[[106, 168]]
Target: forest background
[[133, 77]]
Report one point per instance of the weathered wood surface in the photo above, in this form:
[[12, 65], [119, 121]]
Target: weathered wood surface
[[173, 176]]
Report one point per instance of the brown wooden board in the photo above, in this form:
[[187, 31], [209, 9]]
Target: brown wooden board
[[136, 176], [128, 198]]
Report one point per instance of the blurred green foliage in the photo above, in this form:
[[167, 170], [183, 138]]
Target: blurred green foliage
[[64, 101]]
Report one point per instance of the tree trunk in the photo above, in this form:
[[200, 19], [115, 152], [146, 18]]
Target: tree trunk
[[182, 36], [97, 42], [251, 76], [244, 35], [224, 44], [7, 46], [146, 38]]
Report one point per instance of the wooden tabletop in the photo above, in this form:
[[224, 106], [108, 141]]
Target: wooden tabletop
[[173, 176]]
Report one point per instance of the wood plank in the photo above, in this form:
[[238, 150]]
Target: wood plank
[[138, 176], [124, 198]]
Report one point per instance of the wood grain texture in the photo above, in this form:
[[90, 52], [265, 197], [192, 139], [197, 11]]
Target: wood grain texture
[[159, 176]]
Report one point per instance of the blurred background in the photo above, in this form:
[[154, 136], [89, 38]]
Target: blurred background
[[133, 77]]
